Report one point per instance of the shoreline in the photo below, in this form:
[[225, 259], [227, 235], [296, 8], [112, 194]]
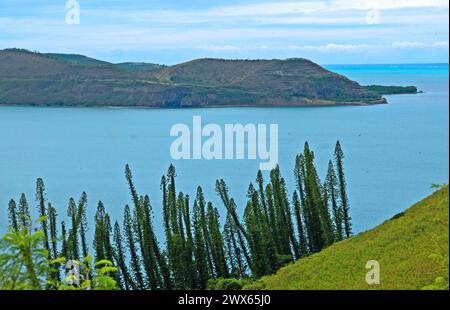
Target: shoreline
[[210, 106]]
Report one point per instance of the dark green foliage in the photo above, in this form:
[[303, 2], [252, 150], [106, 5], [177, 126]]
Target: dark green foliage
[[102, 233], [331, 185], [200, 253], [205, 231], [143, 232], [311, 197], [24, 218], [73, 251], [391, 90], [65, 245], [286, 239], [124, 276], [12, 214], [242, 235], [398, 215], [40, 197], [233, 249], [53, 230], [82, 223], [132, 248], [54, 254], [303, 243], [217, 245], [339, 156]]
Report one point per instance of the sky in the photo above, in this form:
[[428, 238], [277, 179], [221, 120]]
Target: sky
[[170, 32]]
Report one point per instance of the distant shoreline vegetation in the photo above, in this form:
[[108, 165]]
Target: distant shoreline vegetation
[[32, 78], [199, 251]]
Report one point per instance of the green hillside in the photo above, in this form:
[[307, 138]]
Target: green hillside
[[32, 78], [77, 59], [412, 250]]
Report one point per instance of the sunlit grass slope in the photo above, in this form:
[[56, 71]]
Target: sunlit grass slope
[[412, 250]]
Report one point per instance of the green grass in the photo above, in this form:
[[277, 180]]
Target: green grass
[[412, 250]]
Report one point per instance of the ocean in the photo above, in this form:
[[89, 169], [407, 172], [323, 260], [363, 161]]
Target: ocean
[[393, 152]]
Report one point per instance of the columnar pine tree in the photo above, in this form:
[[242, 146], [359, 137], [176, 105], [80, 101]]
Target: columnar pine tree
[[55, 275], [124, 276], [333, 194], [53, 230], [73, 251], [339, 157], [300, 175], [328, 232], [288, 216], [236, 261], [217, 245], [300, 229], [286, 239], [82, 223], [131, 245], [24, 218], [12, 214], [64, 246], [243, 237], [313, 198], [153, 244], [40, 197], [200, 255], [251, 217], [100, 233], [143, 233], [205, 231], [262, 198]]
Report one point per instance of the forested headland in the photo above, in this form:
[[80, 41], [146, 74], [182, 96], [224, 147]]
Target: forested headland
[[39, 79], [198, 250]]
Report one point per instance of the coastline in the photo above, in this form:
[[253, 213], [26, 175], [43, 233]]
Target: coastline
[[210, 106]]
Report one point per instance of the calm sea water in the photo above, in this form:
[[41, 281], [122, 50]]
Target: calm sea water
[[393, 152]]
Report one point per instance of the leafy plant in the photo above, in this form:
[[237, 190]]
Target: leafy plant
[[23, 260], [24, 266], [227, 284]]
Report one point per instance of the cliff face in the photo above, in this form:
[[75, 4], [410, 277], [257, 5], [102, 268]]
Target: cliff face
[[28, 78]]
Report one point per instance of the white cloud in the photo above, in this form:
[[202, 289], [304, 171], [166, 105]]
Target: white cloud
[[270, 28], [278, 8], [299, 12], [231, 48], [441, 44], [334, 47], [408, 44]]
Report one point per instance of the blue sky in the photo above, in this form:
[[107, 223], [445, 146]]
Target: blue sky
[[328, 32]]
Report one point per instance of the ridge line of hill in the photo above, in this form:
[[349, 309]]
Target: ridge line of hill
[[32, 78]]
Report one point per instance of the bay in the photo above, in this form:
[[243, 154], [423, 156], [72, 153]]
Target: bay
[[394, 152]]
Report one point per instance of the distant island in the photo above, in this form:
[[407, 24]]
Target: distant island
[[32, 78]]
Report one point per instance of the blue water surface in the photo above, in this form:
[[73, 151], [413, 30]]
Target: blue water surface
[[394, 152]]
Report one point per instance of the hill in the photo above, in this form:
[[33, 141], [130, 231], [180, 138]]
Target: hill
[[32, 78], [411, 248], [77, 59]]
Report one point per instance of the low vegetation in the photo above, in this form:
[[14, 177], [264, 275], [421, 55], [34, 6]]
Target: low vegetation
[[392, 90], [32, 78], [411, 248]]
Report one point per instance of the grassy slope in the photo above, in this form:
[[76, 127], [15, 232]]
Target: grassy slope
[[402, 246]]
